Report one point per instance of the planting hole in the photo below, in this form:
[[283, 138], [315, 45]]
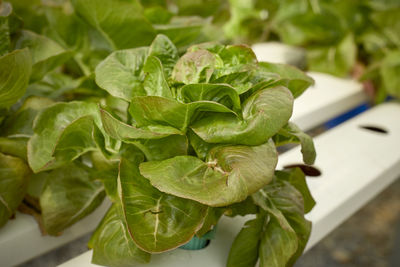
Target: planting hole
[[374, 129], [307, 169]]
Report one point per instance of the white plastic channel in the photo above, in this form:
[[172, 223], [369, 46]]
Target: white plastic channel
[[356, 165]]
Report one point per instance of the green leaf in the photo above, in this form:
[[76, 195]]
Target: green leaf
[[165, 51], [182, 31], [199, 146], [230, 174], [155, 83], [211, 92], [121, 73], [120, 22], [156, 221], [244, 250], [337, 60], [13, 183], [196, 67], [69, 195], [5, 12], [127, 133], [297, 81], [389, 72], [264, 114], [20, 123], [49, 127], [277, 245], [211, 220], [297, 179], [14, 147], [46, 54], [112, 244], [15, 69], [150, 110], [163, 148], [290, 133], [289, 228], [105, 170]]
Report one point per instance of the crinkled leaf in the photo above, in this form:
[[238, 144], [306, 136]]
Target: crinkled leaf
[[120, 22], [196, 67], [127, 133], [46, 53], [15, 69], [13, 183], [230, 174], [290, 133], [264, 114], [48, 129], [150, 110], [221, 93], [165, 51], [297, 81], [156, 221], [121, 73], [69, 195], [112, 244], [244, 250], [155, 83]]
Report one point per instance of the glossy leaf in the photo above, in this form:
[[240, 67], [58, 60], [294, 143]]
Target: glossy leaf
[[124, 132], [290, 133], [264, 113], [165, 51], [211, 92], [121, 73], [120, 22], [46, 54], [156, 221], [69, 195], [229, 175], [244, 250], [48, 129], [297, 81], [150, 110], [15, 69], [155, 83], [13, 183], [112, 244]]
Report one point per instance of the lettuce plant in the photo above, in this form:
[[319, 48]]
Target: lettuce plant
[[174, 141], [200, 142]]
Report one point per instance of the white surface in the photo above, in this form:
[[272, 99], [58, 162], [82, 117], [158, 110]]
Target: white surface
[[356, 165], [276, 52], [21, 240]]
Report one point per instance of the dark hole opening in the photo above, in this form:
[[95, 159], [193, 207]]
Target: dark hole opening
[[374, 129], [307, 169]]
